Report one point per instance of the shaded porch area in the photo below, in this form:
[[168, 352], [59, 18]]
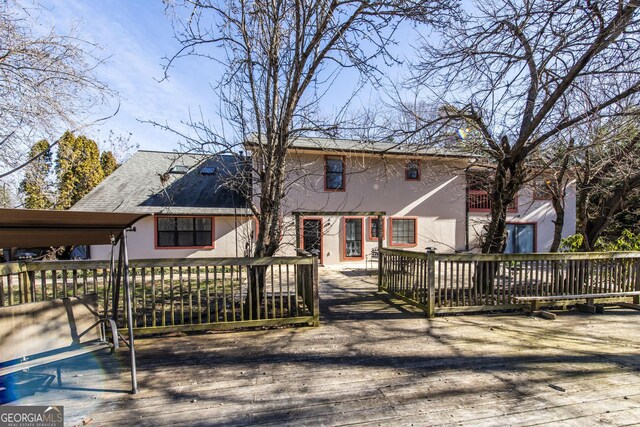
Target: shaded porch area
[[369, 362]]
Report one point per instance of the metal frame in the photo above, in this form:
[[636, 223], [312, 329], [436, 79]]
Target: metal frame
[[121, 276]]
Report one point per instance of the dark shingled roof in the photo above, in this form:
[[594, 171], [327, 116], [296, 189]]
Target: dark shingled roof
[[356, 146], [137, 187]]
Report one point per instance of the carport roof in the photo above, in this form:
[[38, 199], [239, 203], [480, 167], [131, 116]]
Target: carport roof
[[29, 228]]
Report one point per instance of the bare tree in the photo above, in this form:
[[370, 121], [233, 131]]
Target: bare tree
[[47, 83], [280, 59], [608, 176], [511, 71], [550, 175]]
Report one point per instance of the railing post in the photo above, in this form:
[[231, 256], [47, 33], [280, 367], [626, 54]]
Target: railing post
[[380, 255], [636, 298], [23, 287], [431, 282], [28, 279], [315, 291], [32, 284]]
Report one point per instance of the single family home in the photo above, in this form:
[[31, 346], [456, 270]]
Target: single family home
[[429, 198]]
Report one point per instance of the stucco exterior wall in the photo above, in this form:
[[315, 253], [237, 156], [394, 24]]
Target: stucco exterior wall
[[372, 183], [437, 200], [141, 243]]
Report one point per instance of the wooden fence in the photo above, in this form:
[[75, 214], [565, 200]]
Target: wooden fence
[[180, 294], [440, 283]]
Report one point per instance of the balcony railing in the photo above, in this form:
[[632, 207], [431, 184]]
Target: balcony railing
[[480, 201]]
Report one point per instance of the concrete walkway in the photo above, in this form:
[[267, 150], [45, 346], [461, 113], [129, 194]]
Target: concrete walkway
[[375, 363]]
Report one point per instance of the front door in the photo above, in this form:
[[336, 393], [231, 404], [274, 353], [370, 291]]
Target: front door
[[312, 236]]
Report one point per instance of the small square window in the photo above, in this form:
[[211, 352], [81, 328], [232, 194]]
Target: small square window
[[412, 170]]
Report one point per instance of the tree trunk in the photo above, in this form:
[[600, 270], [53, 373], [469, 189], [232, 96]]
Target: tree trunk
[[558, 224], [558, 191], [269, 229], [507, 181], [253, 302]]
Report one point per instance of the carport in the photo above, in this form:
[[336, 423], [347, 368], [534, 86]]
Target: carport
[[45, 228]]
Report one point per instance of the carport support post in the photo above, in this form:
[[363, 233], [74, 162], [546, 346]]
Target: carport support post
[[380, 236], [127, 295], [431, 283], [110, 283]]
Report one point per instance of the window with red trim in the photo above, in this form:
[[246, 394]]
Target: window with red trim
[[353, 238], [334, 173], [412, 170], [375, 229], [403, 231], [174, 232]]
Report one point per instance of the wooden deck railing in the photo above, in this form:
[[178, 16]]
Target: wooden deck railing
[[480, 201], [476, 282], [180, 294]]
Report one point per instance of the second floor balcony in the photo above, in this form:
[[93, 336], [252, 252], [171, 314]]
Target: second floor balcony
[[480, 201]]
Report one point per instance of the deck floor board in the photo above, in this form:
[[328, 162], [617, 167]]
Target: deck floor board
[[370, 363]]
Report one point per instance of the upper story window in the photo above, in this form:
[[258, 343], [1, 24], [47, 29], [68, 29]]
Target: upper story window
[[412, 170], [334, 173], [185, 232], [207, 170]]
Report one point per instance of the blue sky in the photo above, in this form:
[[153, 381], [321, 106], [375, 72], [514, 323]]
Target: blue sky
[[134, 37]]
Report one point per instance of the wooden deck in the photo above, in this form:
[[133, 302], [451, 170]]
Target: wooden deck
[[369, 362]]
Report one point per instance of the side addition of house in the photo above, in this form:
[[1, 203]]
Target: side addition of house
[[195, 214]]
